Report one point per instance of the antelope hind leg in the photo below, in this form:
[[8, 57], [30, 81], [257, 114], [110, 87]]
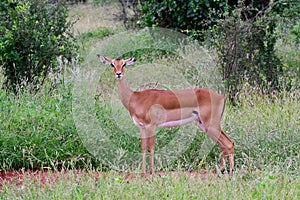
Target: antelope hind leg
[[226, 145]]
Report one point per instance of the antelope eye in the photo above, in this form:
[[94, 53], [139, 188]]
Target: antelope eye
[[112, 65], [124, 65]]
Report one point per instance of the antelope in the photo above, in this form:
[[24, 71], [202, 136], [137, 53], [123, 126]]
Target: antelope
[[154, 108]]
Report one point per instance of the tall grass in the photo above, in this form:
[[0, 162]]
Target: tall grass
[[266, 131], [37, 131]]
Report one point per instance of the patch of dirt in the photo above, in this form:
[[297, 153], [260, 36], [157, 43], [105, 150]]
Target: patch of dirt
[[19, 177]]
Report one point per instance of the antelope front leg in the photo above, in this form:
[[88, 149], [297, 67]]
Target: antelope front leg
[[151, 144], [148, 144], [144, 149]]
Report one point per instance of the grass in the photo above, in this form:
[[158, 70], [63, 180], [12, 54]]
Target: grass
[[90, 17], [41, 132], [111, 185], [38, 131]]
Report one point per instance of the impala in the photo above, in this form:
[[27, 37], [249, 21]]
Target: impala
[[153, 108]]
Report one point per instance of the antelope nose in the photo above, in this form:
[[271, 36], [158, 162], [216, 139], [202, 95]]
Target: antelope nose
[[118, 75]]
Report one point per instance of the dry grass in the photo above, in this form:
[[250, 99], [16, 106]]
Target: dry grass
[[90, 17]]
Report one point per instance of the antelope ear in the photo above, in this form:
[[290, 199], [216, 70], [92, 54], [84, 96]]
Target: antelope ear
[[130, 61], [105, 60]]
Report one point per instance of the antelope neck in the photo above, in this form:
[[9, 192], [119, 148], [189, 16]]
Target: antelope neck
[[124, 91]]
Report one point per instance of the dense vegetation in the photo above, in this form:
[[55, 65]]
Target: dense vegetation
[[33, 35]]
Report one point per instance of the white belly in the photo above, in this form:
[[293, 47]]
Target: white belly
[[193, 117]]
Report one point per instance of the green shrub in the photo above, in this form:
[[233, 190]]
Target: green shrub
[[34, 34], [246, 48], [243, 32], [181, 15], [246, 51]]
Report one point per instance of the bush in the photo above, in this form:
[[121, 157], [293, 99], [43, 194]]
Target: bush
[[180, 15], [245, 39], [246, 51], [34, 34], [243, 32]]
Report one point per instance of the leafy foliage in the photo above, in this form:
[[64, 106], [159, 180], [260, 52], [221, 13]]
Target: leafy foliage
[[246, 51], [245, 39], [33, 35], [180, 15], [243, 32]]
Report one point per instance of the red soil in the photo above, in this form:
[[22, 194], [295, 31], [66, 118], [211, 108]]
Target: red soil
[[19, 177]]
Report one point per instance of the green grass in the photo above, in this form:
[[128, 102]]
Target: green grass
[[75, 185], [38, 131], [267, 131]]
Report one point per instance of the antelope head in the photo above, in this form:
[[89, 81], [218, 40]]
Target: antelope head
[[117, 64]]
